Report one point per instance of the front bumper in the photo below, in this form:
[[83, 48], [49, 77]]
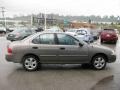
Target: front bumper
[[111, 58]]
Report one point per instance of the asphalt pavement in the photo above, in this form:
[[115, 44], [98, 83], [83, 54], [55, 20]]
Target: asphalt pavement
[[58, 77]]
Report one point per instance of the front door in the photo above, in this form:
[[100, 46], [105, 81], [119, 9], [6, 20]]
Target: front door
[[70, 51]]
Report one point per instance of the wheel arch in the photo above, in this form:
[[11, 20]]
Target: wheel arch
[[30, 54], [100, 54]]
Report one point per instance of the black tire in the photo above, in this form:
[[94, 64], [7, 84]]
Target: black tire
[[115, 42], [101, 41], [30, 63], [99, 62]]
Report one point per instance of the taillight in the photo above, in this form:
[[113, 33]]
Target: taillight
[[9, 50]]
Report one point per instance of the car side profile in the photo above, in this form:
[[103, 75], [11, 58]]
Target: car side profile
[[57, 48]]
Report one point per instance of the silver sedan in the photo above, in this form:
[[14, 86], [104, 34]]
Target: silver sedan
[[57, 48]]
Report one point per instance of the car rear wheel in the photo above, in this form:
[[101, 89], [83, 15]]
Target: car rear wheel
[[30, 63], [99, 62]]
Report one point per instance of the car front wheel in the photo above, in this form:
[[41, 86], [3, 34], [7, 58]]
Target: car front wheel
[[99, 62], [30, 63]]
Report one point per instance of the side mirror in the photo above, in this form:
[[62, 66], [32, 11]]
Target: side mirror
[[80, 44]]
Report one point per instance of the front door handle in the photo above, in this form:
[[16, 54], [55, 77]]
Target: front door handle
[[35, 47], [62, 48]]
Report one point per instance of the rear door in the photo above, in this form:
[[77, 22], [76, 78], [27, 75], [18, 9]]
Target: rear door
[[45, 47]]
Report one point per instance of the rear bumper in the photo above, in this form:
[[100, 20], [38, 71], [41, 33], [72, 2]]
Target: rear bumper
[[12, 58], [110, 39], [9, 57]]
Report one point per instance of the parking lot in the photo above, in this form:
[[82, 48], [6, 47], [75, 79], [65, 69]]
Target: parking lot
[[53, 77]]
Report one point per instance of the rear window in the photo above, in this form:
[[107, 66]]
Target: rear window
[[111, 30]]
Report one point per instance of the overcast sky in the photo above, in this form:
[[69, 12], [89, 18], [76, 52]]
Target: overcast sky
[[62, 7]]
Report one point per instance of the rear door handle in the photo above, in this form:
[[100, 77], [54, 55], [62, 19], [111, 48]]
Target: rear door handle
[[35, 47], [62, 48]]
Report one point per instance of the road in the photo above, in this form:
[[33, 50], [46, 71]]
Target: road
[[53, 77]]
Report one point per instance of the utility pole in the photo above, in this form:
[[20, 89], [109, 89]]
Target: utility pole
[[3, 15], [118, 19], [45, 21], [32, 20]]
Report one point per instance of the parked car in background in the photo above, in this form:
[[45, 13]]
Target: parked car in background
[[2, 30], [109, 35], [57, 48], [82, 34], [19, 34], [40, 29]]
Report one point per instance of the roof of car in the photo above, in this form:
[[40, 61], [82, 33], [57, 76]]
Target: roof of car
[[49, 33], [38, 33], [83, 29]]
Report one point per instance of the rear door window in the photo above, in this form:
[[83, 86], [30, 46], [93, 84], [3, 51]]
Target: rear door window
[[44, 39]]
